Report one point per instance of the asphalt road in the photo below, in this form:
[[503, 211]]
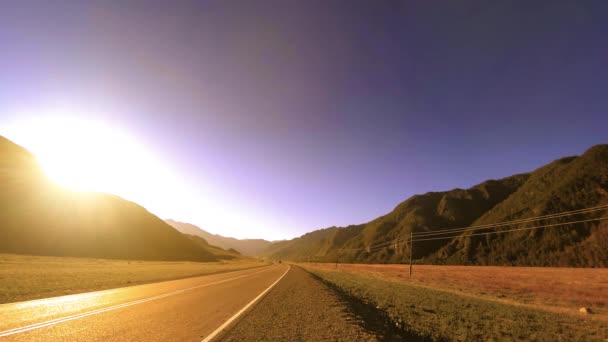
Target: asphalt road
[[180, 310], [301, 308]]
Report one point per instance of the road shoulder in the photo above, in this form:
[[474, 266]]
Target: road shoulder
[[302, 308]]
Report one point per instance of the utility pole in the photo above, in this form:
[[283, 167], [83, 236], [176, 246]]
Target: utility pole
[[411, 248]]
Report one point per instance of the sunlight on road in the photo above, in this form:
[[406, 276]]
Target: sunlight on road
[[61, 304]]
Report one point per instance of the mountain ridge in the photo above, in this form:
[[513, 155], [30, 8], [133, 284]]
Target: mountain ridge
[[38, 217], [248, 247], [565, 184]]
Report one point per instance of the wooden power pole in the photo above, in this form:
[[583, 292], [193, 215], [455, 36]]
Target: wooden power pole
[[411, 248]]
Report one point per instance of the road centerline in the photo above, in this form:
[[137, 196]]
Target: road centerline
[[39, 325]]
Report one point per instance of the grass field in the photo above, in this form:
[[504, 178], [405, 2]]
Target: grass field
[[30, 277], [442, 315], [562, 290], [477, 303]]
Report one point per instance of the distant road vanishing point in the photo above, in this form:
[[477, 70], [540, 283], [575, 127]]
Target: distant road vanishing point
[[193, 309]]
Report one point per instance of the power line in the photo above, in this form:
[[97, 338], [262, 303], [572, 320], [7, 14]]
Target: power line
[[472, 228], [517, 229], [508, 223], [493, 225], [488, 233]]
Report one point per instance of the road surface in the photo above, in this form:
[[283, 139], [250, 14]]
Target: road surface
[[301, 308], [191, 309]]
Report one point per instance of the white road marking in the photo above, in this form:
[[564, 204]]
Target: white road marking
[[114, 307], [223, 326]]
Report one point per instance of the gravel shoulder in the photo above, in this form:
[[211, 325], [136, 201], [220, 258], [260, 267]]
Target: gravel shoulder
[[302, 308]]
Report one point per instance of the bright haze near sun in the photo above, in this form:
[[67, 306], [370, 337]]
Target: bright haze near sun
[[271, 119], [81, 152], [87, 155]]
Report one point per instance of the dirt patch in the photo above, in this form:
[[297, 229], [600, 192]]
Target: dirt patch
[[302, 308]]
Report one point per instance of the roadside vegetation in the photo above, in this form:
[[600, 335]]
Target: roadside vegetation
[[25, 277], [556, 289], [441, 315]]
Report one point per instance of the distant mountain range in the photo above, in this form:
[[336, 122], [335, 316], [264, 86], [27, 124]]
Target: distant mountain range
[[40, 218], [249, 247], [564, 185]]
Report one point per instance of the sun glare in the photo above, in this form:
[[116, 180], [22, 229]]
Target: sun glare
[[87, 155], [83, 154]]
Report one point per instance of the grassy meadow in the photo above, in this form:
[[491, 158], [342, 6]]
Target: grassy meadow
[[24, 277], [449, 315], [561, 290]]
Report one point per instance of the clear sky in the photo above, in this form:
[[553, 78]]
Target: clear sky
[[274, 118]]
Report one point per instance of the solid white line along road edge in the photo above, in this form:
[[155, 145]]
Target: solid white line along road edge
[[236, 315], [114, 307]]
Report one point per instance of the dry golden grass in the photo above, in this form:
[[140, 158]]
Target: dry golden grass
[[25, 277], [562, 290], [443, 315]]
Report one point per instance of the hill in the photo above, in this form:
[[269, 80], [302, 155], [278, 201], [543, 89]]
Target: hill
[[566, 184], [38, 217], [248, 247]]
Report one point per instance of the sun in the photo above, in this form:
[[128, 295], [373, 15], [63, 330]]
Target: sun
[[89, 155], [81, 149]]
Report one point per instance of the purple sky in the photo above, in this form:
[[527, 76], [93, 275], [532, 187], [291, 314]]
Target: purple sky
[[308, 114]]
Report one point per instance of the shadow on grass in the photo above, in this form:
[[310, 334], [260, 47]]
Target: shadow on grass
[[372, 318]]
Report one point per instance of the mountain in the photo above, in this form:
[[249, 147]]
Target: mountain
[[40, 218], [219, 252], [248, 247], [566, 184]]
